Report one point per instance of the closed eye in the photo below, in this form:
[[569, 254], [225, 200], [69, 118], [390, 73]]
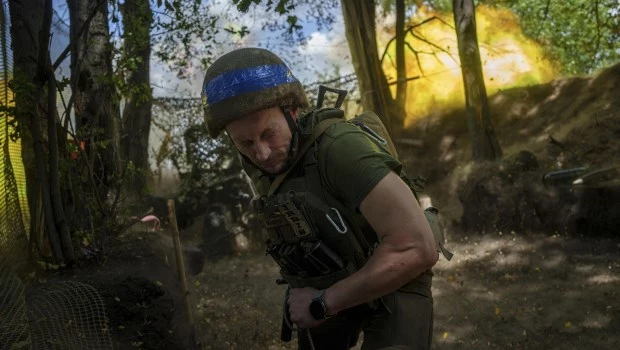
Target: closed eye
[[268, 134], [243, 144]]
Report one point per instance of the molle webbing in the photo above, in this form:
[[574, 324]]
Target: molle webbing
[[284, 214]]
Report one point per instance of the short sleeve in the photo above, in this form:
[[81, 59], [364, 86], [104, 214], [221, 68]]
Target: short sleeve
[[351, 164]]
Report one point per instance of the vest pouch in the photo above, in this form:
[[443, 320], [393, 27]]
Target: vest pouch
[[284, 219], [318, 282], [432, 216]]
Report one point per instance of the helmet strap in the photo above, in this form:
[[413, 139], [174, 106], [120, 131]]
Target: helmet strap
[[293, 126], [292, 123]]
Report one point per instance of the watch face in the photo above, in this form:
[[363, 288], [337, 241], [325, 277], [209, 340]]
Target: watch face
[[316, 309]]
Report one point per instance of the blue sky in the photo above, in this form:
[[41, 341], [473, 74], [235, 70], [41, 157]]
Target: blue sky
[[322, 51]]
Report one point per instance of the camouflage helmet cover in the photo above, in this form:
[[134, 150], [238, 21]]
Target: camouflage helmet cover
[[244, 81]]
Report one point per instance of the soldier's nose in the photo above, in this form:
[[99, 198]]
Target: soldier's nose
[[262, 152]]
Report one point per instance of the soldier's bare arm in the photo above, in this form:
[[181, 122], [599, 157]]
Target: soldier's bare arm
[[406, 249]]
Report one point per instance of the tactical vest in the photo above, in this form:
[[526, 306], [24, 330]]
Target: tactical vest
[[315, 239]]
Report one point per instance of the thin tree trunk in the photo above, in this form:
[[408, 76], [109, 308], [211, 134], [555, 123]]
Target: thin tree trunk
[[359, 20], [137, 19], [485, 145], [55, 193], [401, 66], [96, 102], [40, 78]]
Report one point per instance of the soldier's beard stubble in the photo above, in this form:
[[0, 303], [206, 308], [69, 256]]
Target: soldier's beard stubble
[[274, 164], [277, 161]]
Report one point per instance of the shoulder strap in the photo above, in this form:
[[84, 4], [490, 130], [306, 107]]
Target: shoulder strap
[[317, 131]]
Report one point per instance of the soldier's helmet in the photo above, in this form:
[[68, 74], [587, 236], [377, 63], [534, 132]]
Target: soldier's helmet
[[244, 81]]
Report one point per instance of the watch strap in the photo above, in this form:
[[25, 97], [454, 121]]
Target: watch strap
[[319, 299]]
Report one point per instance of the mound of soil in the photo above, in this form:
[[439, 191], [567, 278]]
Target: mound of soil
[[139, 311], [137, 282], [563, 124]]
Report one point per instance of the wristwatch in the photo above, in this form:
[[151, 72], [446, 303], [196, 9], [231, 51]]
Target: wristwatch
[[318, 308]]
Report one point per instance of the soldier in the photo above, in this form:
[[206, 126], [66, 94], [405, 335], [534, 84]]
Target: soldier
[[352, 242]]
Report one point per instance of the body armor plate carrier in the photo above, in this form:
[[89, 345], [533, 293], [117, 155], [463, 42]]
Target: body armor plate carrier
[[314, 238]]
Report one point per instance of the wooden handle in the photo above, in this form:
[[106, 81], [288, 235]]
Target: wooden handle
[[174, 230]]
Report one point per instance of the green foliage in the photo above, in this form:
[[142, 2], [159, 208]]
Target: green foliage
[[197, 157], [241, 32], [7, 110], [317, 12], [203, 163], [583, 35], [188, 35], [282, 7], [442, 5], [244, 5], [184, 32], [63, 83]]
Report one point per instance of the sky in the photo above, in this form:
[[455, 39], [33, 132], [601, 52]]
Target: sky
[[324, 48]]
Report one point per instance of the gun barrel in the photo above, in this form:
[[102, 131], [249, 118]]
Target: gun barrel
[[563, 178]]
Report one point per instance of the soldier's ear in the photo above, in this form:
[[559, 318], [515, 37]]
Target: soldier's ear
[[294, 110]]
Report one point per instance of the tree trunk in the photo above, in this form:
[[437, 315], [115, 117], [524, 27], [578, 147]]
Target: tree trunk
[[137, 19], [29, 86], [485, 145], [55, 193], [359, 20], [96, 102], [401, 67]]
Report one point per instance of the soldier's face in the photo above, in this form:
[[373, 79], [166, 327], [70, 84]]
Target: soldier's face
[[264, 137]]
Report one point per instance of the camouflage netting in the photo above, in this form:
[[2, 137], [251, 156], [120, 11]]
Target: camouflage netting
[[68, 315], [14, 328], [13, 238], [58, 315]]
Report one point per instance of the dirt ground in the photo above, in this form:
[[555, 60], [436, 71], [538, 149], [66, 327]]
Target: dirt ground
[[502, 290], [516, 288]]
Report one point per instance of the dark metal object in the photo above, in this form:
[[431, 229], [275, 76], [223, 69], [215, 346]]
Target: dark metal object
[[563, 178], [306, 259], [321, 97], [602, 178], [583, 178]]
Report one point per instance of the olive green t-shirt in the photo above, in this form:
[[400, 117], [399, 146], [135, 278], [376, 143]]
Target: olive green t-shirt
[[351, 163]]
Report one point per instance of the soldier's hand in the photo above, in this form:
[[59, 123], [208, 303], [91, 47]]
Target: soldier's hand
[[299, 300]]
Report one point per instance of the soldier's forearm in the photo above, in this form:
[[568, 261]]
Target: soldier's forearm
[[388, 269]]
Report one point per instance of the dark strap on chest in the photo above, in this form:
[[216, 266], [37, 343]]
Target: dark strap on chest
[[305, 145]]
